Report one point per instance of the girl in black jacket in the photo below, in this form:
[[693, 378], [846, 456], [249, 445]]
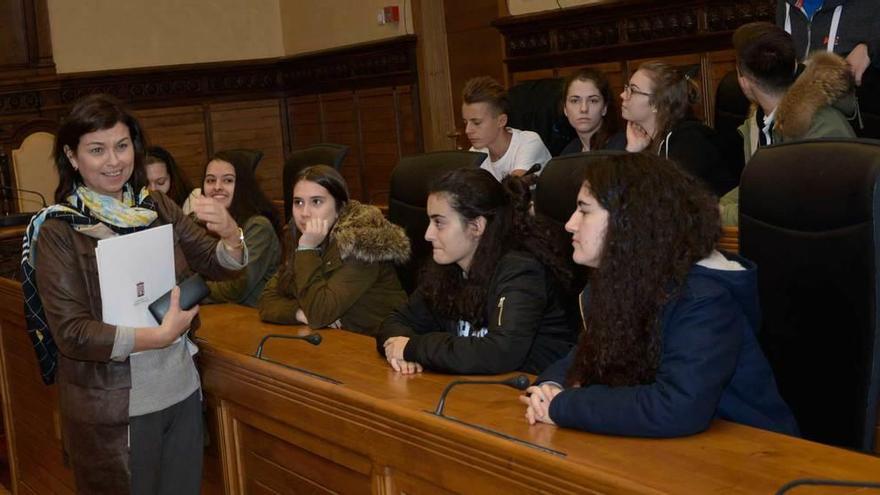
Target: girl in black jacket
[[491, 301]]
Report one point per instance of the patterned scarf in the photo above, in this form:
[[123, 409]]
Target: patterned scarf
[[83, 208]]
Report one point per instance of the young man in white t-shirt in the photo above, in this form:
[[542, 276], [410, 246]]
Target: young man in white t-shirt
[[511, 151]]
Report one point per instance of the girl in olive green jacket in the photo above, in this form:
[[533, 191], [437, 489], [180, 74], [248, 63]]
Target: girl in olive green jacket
[[341, 272]]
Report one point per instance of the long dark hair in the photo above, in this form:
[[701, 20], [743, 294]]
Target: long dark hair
[[609, 122], [180, 185], [660, 222], [331, 180], [89, 114], [474, 193], [248, 198]]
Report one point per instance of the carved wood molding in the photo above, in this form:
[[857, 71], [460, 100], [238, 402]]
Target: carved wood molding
[[624, 29], [374, 64]]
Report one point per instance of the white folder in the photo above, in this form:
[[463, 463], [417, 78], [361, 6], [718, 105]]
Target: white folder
[[135, 270]]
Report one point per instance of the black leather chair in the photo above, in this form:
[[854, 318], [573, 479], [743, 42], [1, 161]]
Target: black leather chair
[[731, 109], [407, 201], [247, 156], [810, 219], [559, 183], [535, 106], [319, 154]]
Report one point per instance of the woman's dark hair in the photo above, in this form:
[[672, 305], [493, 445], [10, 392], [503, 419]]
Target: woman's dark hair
[[673, 95], [328, 178], [766, 53], [331, 180], [609, 122], [247, 199], [474, 193], [89, 114], [180, 185], [660, 222]]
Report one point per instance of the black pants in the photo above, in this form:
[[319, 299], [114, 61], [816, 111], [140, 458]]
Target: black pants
[[166, 449]]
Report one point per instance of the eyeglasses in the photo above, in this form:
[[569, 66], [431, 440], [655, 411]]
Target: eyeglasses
[[630, 90]]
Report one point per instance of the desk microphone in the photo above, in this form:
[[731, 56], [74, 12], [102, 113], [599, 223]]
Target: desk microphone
[[29, 191], [826, 482], [312, 338], [519, 382]]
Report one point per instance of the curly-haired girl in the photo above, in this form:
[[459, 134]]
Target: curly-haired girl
[[669, 340]]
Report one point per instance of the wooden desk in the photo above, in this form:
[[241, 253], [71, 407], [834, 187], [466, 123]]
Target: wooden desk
[[284, 431]]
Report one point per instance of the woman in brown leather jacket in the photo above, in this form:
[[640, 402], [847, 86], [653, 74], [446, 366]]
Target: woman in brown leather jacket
[[129, 397]]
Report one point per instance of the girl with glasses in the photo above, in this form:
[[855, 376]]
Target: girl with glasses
[[656, 105]]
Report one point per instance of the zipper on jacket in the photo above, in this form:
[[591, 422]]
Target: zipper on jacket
[[500, 309]]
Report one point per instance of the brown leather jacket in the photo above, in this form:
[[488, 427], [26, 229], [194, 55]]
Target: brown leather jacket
[[94, 390]]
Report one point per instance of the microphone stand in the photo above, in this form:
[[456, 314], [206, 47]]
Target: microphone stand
[[519, 382], [312, 338]]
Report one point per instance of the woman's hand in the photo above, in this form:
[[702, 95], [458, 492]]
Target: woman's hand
[[217, 220], [175, 323], [405, 367], [394, 347], [301, 317], [637, 139], [538, 399], [315, 232]]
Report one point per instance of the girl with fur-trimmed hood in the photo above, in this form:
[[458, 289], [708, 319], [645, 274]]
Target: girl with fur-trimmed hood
[[339, 270]]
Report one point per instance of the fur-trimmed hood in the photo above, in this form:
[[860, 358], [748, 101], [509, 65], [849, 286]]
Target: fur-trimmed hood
[[363, 233], [825, 80]]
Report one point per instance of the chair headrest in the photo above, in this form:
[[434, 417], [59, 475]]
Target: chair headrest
[[813, 185], [560, 182]]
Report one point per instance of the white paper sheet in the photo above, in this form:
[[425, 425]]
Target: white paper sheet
[[135, 270]]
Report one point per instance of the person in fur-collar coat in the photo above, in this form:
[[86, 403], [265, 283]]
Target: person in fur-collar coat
[[785, 109], [341, 271]]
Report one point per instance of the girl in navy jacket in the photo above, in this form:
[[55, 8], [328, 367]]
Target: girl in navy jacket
[[669, 341]]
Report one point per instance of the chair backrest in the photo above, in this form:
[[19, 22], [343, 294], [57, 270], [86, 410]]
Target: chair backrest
[[809, 217], [34, 169], [731, 109], [560, 181], [319, 154], [536, 106], [407, 201], [247, 156]]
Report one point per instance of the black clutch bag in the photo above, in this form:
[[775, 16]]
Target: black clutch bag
[[192, 290]]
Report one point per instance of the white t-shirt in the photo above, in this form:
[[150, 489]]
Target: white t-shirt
[[525, 150]]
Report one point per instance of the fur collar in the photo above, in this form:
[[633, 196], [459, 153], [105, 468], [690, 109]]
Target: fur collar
[[362, 233], [825, 80]]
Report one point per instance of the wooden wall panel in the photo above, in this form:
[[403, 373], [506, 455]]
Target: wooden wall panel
[[180, 130], [341, 126], [616, 36], [475, 48], [253, 125], [275, 106], [25, 40], [305, 121], [407, 114], [381, 138]]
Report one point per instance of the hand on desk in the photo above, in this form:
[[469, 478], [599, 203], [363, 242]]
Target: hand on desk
[[538, 399], [405, 367], [394, 347]]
